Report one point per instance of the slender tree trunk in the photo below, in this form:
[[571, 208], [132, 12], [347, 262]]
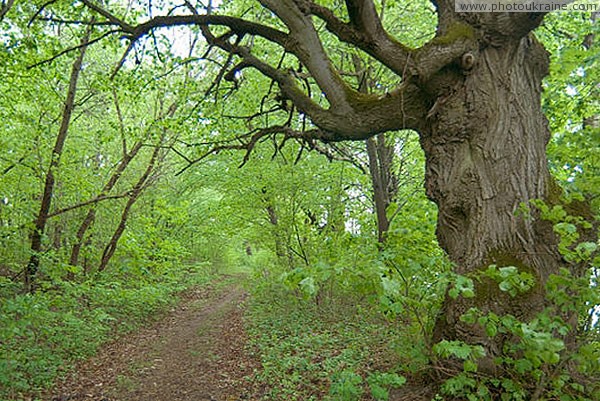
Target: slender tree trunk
[[384, 182], [5, 8], [137, 190], [485, 153], [274, 221], [142, 183], [90, 217], [57, 235], [42, 218], [381, 156]]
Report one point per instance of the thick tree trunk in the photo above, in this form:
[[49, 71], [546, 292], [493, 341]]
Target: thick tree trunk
[[485, 153]]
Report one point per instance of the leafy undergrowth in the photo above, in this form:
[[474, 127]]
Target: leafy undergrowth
[[342, 351], [43, 334]]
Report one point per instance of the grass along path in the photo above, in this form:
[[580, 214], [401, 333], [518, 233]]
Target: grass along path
[[197, 352]]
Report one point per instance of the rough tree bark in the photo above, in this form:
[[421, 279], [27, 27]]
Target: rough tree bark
[[42, 217], [486, 155]]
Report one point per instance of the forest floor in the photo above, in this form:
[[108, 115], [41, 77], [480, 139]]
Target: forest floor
[[196, 352]]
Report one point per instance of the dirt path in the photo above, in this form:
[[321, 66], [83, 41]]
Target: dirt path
[[195, 353]]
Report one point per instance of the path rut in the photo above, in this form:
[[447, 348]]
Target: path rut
[[196, 353]]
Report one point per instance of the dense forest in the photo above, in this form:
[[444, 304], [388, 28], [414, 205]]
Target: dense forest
[[398, 201]]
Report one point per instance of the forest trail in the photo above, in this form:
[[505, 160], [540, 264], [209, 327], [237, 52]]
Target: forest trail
[[196, 352]]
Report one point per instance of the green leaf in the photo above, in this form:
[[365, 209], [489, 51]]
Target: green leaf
[[469, 366], [586, 249], [523, 365], [308, 286], [381, 382]]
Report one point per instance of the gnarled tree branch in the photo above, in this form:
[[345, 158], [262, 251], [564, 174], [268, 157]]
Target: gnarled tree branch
[[350, 115], [309, 50]]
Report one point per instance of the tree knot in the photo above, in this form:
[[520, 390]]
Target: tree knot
[[467, 61]]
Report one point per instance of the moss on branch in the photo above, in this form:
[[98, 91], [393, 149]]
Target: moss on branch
[[456, 31]]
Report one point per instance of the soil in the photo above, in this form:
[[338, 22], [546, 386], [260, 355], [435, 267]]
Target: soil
[[196, 353]]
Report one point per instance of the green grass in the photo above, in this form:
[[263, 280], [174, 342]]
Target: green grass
[[43, 334], [311, 352]]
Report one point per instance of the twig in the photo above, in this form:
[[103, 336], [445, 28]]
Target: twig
[[122, 60], [88, 202], [40, 10], [62, 53]]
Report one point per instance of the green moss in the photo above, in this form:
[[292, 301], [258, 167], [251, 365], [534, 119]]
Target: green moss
[[456, 31], [358, 100], [487, 288], [554, 193]]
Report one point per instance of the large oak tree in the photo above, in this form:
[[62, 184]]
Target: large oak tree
[[472, 93]]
